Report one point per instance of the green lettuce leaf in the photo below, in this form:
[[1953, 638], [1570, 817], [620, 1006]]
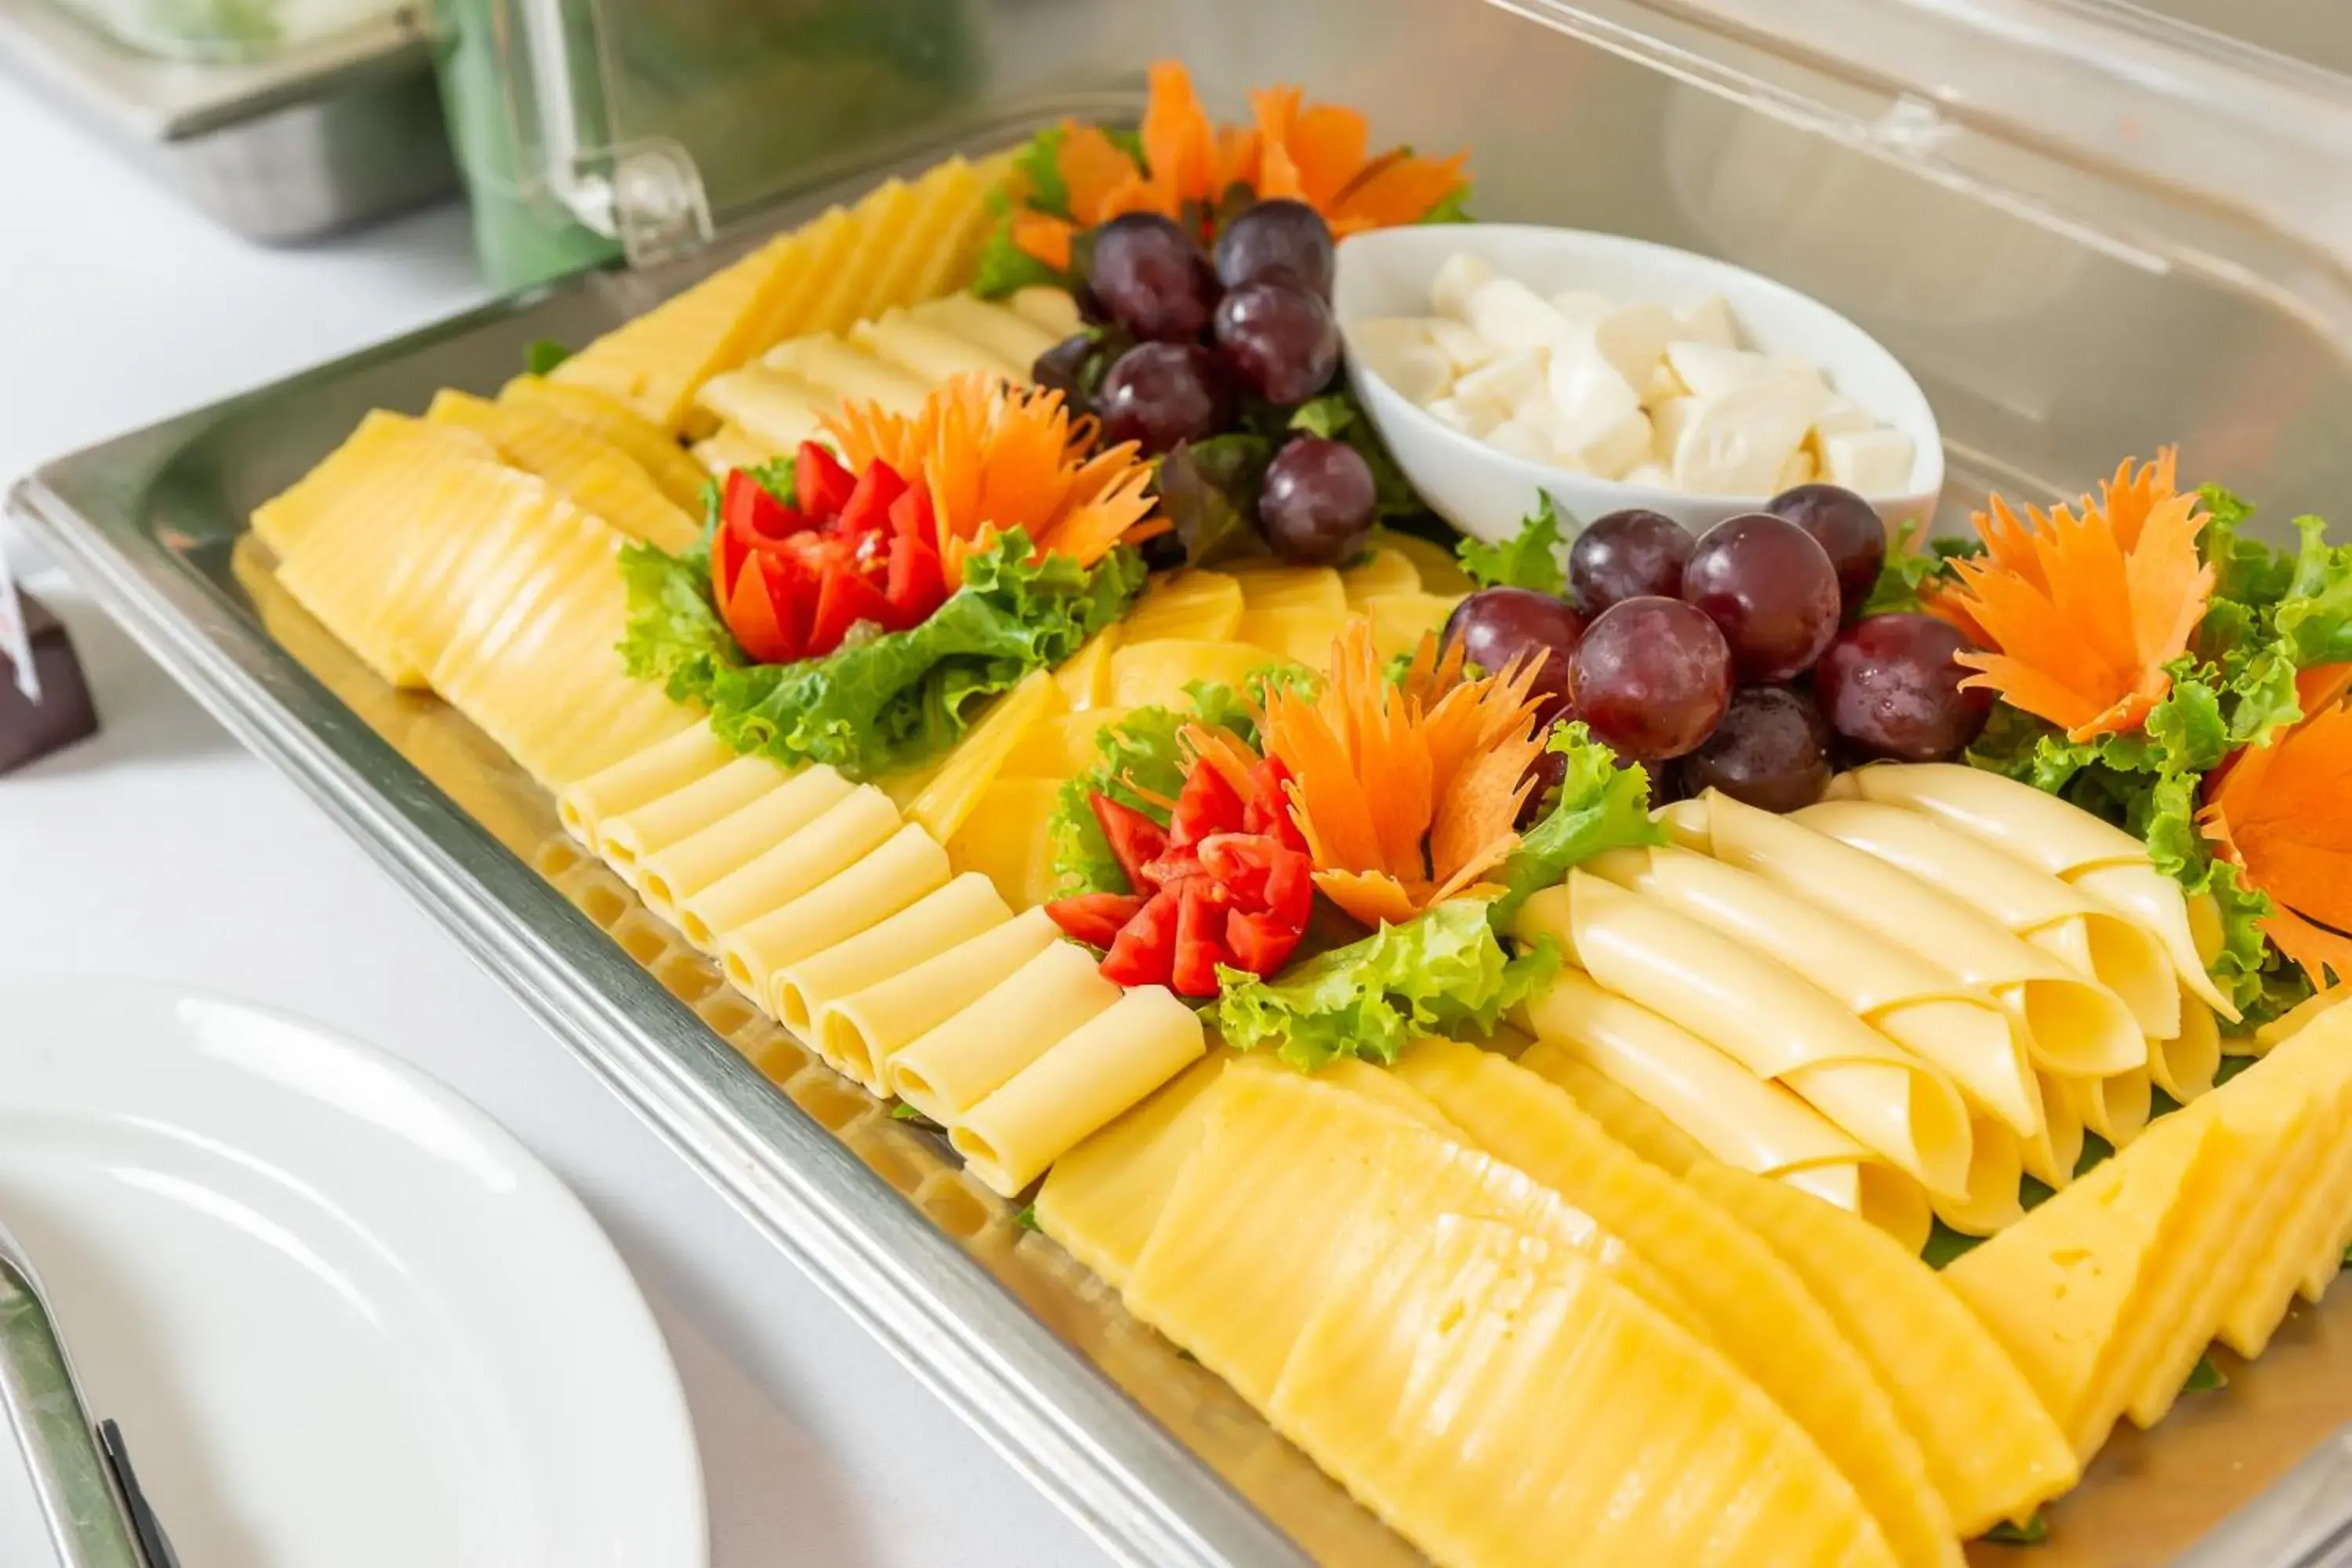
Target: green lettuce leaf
[[1601, 806], [542, 354], [1039, 166], [1530, 558], [1453, 208], [1139, 754], [891, 700], [1443, 972], [2314, 616], [1906, 572], [1208, 491]]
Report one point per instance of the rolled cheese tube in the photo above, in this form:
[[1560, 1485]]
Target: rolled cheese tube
[[864, 1029], [967, 906], [854, 826], [870, 890], [1928, 1010], [931, 350], [2115, 1107], [2100, 859], [679, 870], [1762, 1015], [2050, 1156], [1583, 1032], [692, 753], [2073, 1026], [2088, 937], [625, 837], [2184, 1067], [1995, 1166], [1090, 1078], [976, 1050]]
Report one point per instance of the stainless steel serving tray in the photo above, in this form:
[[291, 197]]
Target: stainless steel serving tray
[[1155, 1458]]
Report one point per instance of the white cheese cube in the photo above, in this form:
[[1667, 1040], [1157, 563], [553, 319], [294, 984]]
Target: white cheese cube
[[1808, 373], [1399, 351], [1710, 370], [1796, 470], [1463, 349], [1450, 290], [1528, 435], [1662, 385], [1868, 462], [1586, 388], [1606, 447], [1653, 475], [1506, 311], [1708, 321], [1632, 339], [1669, 417], [1473, 419], [1509, 381], [1737, 444], [1582, 304], [1840, 415]]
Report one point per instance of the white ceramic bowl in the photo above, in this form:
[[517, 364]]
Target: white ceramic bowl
[[1487, 492]]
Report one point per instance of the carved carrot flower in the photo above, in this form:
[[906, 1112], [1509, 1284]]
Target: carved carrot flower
[[2278, 813], [1406, 792], [996, 457], [1189, 165], [2079, 613]]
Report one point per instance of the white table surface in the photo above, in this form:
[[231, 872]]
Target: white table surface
[[161, 851]]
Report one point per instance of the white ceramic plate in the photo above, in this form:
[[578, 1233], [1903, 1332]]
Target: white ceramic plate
[[1486, 492], [343, 1317]]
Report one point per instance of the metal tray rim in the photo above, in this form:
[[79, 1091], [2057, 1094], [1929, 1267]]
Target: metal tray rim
[[1124, 1480]]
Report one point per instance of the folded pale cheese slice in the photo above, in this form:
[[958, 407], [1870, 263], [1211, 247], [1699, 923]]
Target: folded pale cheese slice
[[2104, 861], [2075, 1025], [1724, 1107]]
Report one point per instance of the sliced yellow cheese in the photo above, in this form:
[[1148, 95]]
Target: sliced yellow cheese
[[1084, 676], [931, 352], [980, 756], [816, 249], [2318, 1198], [1502, 1401], [1006, 333], [1400, 622], [1750, 1305], [599, 477], [1763, 1016], [1062, 745], [648, 445], [694, 753], [1008, 835], [1439, 571], [1301, 633], [1188, 604], [848, 292], [1268, 585], [1624, 1115], [1155, 673], [1102, 1198], [365, 484], [940, 207], [656, 363], [767, 412], [2096, 856], [846, 373], [1382, 570], [2063, 1289], [1992, 1450]]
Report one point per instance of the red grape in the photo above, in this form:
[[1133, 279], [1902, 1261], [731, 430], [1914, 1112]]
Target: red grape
[[1770, 588], [1846, 528], [1279, 338], [1316, 503], [1157, 394], [1625, 555], [1278, 236], [1771, 751], [1495, 626], [1889, 689], [1063, 367], [1652, 676], [1147, 272], [1544, 775]]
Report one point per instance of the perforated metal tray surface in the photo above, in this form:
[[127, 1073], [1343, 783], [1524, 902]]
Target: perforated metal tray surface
[[1155, 1457]]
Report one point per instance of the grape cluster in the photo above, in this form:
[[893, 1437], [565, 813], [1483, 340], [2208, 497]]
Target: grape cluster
[[1195, 334], [1738, 661]]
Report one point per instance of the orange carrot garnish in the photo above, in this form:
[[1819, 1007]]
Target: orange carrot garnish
[[995, 458], [2080, 614], [2278, 815], [1406, 792], [1311, 153]]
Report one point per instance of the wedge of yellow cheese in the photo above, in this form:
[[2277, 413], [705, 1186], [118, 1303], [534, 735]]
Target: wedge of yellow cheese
[[1101, 1199], [597, 476], [1749, 1304], [948, 800], [1992, 1452], [367, 484], [1191, 604], [1502, 1401]]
